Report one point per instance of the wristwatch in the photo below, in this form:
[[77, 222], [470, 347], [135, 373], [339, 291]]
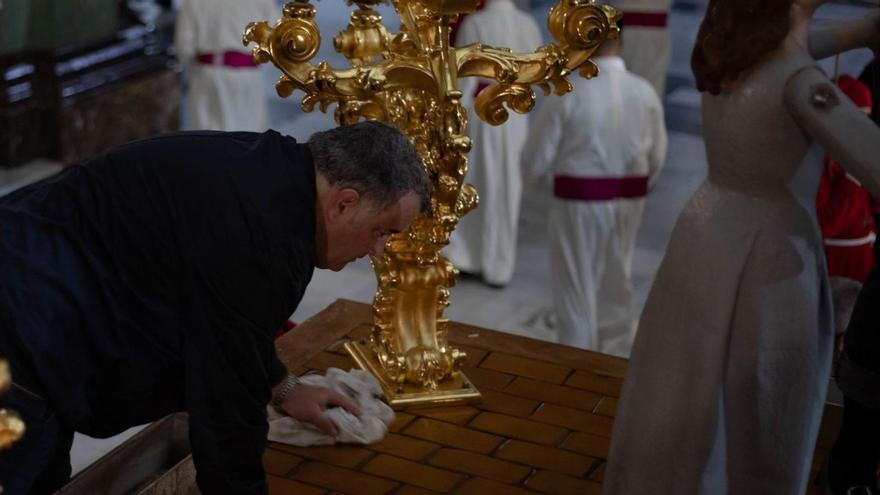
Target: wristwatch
[[288, 384]]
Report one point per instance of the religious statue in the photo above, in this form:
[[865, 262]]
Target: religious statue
[[411, 80], [726, 383]]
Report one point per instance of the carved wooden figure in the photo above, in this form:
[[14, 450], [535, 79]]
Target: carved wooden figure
[[730, 365]]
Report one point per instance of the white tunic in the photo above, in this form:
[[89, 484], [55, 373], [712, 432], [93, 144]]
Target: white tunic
[[221, 97], [647, 49], [485, 240], [609, 127]]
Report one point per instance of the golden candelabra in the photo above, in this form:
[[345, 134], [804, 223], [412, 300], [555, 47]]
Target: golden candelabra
[[410, 80]]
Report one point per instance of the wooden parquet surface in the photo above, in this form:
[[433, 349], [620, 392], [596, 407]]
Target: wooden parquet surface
[[544, 424]]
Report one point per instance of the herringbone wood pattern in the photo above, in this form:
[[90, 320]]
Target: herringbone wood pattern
[[544, 424]]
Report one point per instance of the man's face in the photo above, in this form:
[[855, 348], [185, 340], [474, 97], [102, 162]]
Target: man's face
[[359, 228]]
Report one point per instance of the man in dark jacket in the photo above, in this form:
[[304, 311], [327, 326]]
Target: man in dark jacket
[[152, 278]]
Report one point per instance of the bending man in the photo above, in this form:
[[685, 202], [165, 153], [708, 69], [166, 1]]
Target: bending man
[[151, 280]]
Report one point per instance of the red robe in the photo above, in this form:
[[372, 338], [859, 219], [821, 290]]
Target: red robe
[[845, 216]]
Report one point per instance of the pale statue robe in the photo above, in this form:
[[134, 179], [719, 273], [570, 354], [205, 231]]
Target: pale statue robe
[[729, 370], [647, 50], [485, 239], [220, 97], [609, 127]]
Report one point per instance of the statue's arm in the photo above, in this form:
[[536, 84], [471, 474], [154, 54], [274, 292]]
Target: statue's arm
[[828, 38], [833, 120]]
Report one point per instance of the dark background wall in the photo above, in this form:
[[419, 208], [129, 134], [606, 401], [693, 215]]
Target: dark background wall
[[79, 76], [52, 24]]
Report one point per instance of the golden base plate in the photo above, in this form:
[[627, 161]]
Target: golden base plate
[[455, 390]]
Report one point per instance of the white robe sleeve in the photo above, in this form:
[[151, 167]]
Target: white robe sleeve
[[659, 140], [186, 32], [468, 34], [536, 36], [271, 12], [545, 137]]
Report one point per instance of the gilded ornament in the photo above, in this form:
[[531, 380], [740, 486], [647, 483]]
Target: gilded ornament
[[11, 426], [410, 79]]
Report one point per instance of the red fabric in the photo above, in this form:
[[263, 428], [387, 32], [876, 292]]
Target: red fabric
[[236, 60], [845, 210], [480, 87], [285, 327], [850, 262], [645, 19], [599, 188], [857, 91]]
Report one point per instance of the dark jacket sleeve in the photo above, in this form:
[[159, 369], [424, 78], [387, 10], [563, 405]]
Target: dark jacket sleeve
[[236, 221], [277, 372], [236, 304], [229, 370]]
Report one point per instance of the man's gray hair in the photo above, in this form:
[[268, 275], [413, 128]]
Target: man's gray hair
[[373, 158]]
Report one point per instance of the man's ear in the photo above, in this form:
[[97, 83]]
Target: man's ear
[[344, 202]]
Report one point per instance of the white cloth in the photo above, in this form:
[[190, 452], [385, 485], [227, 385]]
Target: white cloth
[[647, 50], [222, 98], [370, 427], [610, 127], [485, 239]]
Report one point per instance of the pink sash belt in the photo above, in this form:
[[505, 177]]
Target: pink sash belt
[[599, 188], [227, 59], [645, 19], [480, 87]]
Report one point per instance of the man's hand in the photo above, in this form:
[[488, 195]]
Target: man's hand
[[307, 403]]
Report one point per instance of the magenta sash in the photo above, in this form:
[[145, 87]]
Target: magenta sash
[[645, 19], [599, 188], [237, 60]]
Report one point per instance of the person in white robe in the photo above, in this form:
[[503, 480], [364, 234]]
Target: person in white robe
[[602, 146], [226, 89], [485, 240], [648, 47]]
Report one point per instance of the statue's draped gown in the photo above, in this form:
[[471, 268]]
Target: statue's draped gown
[[731, 362]]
